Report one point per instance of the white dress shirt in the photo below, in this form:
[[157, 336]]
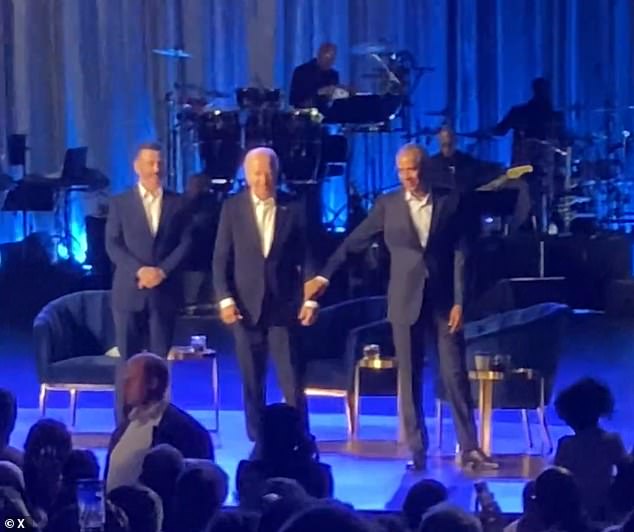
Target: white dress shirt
[[152, 204], [265, 219], [420, 210], [265, 211], [126, 460]]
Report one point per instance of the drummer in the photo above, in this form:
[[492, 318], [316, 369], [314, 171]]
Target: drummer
[[314, 83]]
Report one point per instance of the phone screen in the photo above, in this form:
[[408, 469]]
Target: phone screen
[[92, 505]]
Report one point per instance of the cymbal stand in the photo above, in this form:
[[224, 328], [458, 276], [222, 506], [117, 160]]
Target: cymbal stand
[[567, 187], [174, 162]]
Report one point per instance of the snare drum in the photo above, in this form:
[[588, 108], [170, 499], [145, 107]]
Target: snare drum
[[219, 141]]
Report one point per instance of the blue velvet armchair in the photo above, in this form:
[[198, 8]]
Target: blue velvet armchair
[[72, 335]]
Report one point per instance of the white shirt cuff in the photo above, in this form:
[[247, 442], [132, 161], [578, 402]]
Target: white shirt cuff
[[226, 302], [311, 304], [323, 280]]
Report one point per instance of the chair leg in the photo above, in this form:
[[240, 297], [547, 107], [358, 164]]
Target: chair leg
[[547, 441], [439, 424], [73, 406], [43, 397], [350, 408], [216, 393], [527, 429]]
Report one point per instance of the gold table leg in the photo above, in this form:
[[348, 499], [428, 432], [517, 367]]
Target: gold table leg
[[485, 405], [355, 406], [216, 393]]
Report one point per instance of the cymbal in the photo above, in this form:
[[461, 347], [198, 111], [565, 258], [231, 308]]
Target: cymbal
[[173, 53], [369, 48]]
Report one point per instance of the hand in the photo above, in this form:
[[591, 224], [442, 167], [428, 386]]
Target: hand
[[149, 277], [327, 91], [314, 288], [455, 319], [230, 315], [307, 315]]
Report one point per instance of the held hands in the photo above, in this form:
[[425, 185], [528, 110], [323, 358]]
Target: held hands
[[455, 319], [307, 315], [149, 277], [314, 288], [230, 315]]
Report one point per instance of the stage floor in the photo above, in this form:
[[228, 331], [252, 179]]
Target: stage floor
[[372, 476]]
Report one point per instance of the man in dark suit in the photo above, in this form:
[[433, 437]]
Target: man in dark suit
[[260, 262], [152, 421], [424, 233], [313, 83], [147, 239]]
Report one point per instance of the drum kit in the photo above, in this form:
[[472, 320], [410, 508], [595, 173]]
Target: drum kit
[[586, 181], [210, 138], [601, 186]]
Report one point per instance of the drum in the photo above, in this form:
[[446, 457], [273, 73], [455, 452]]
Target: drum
[[297, 139], [258, 127], [254, 97], [220, 143]]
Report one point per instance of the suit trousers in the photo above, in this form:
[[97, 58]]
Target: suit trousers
[[411, 344], [253, 344], [137, 331]]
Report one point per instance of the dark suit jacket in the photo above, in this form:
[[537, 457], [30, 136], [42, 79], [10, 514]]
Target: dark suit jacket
[[307, 80], [130, 246], [241, 271], [436, 271], [178, 429]]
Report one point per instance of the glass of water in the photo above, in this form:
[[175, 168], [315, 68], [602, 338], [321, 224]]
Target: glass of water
[[198, 342]]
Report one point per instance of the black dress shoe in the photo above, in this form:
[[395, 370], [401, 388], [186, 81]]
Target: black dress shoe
[[417, 463], [476, 459]]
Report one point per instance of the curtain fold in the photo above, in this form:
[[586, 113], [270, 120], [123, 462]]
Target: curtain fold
[[82, 72]]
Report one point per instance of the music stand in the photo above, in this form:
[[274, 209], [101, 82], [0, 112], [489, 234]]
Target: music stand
[[74, 163]]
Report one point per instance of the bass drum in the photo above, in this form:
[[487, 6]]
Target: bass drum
[[297, 140], [219, 143]]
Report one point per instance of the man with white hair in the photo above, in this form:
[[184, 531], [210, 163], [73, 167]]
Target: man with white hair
[[259, 266]]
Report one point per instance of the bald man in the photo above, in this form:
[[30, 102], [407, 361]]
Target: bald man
[[151, 420], [314, 82], [424, 232], [260, 262]]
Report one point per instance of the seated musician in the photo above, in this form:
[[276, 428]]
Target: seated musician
[[314, 83], [454, 169]]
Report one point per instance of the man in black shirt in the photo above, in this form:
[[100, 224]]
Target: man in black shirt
[[314, 82], [537, 130], [535, 120], [452, 168]]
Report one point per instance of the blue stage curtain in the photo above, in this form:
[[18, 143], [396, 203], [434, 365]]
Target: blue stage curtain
[[82, 72], [485, 54]]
